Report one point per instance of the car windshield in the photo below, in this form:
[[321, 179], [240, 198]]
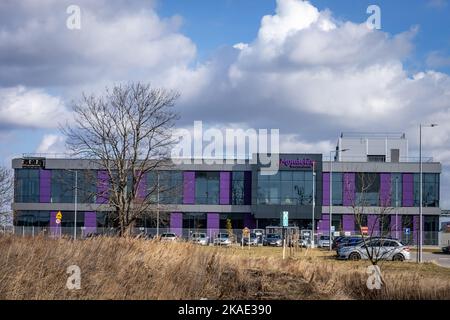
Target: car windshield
[[223, 235], [324, 238], [168, 235], [198, 235], [273, 236]]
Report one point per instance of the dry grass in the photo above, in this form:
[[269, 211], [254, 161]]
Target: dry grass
[[139, 269]]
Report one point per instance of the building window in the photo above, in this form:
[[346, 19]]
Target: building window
[[32, 218], [63, 185], [337, 188], [376, 158], [194, 221], [237, 188], [26, 185], [207, 185], [368, 189], [430, 191], [170, 187], [396, 189], [286, 188]]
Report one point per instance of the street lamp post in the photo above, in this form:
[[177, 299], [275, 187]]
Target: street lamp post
[[420, 244], [75, 203], [313, 202], [331, 192], [157, 207]]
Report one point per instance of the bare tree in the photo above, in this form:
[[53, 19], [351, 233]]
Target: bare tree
[[128, 133], [6, 194], [370, 203]]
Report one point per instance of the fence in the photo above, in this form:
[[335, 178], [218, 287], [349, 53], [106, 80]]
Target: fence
[[235, 235]]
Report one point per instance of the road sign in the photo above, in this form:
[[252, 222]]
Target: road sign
[[58, 221], [365, 230], [337, 234], [285, 219], [407, 230], [59, 215], [245, 232], [333, 228]]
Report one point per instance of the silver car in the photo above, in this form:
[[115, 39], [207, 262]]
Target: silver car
[[169, 237], [222, 239], [380, 249], [199, 238], [324, 242]]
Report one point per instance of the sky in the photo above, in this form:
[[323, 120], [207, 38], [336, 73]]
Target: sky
[[312, 69]]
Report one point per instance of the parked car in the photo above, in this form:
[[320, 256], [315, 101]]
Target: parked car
[[345, 239], [348, 242], [273, 239], [199, 238], [324, 242], [303, 243], [380, 248], [222, 239], [169, 237], [446, 249], [252, 240]]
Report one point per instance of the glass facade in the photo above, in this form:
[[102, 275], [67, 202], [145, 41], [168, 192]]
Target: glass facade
[[237, 188], [26, 185], [63, 186], [396, 189], [194, 221], [367, 189], [170, 187], [32, 218], [207, 186], [430, 191], [286, 188], [337, 188]]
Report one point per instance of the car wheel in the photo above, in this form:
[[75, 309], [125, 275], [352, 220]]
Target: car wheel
[[354, 256], [398, 257]]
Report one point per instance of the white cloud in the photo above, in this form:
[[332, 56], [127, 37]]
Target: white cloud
[[52, 143], [34, 108]]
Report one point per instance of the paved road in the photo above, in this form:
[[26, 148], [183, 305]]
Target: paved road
[[440, 258]]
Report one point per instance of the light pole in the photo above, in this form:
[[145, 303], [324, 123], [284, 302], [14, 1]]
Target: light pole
[[420, 244], [313, 201], [331, 191], [157, 206], [76, 204]]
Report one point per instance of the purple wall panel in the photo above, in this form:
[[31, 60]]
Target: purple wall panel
[[142, 187], [385, 189], [213, 224], [349, 188], [45, 180], [102, 186], [326, 189], [225, 187], [176, 223], [373, 223], [189, 187], [324, 224], [408, 190], [348, 222], [249, 221], [248, 187], [90, 222]]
